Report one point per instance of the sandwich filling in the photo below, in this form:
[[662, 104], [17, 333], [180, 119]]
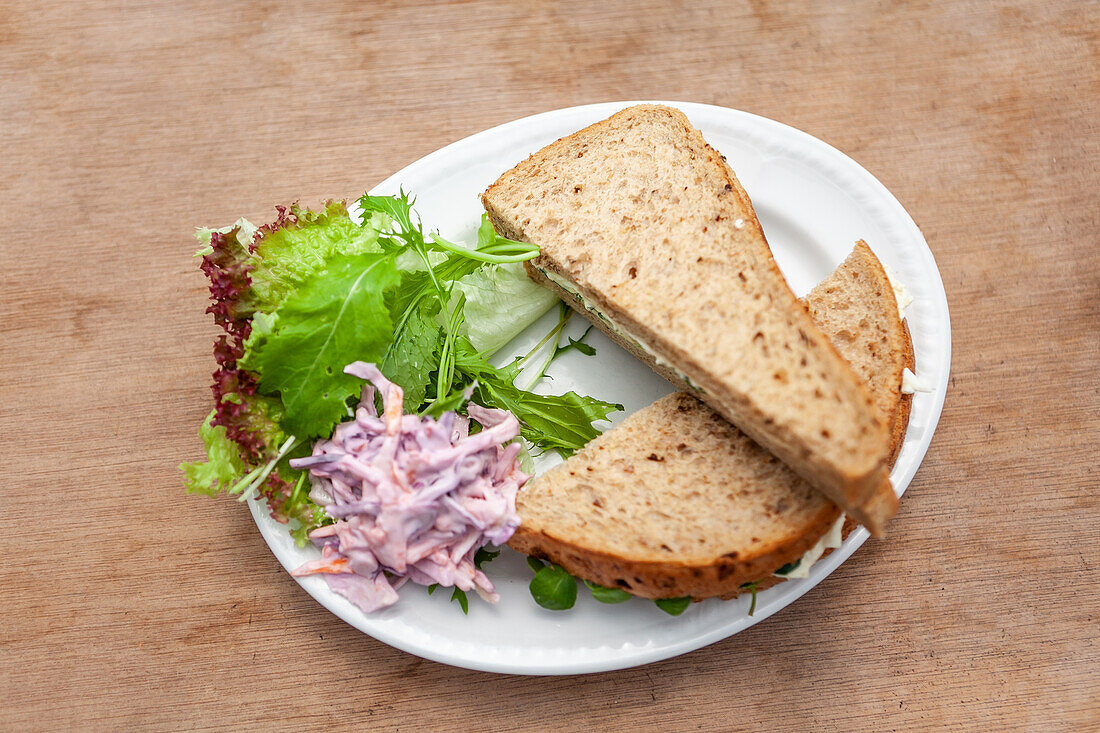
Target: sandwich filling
[[619, 330], [911, 383], [831, 540], [901, 293]]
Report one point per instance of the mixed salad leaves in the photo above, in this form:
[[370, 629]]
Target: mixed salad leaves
[[316, 290], [301, 298]]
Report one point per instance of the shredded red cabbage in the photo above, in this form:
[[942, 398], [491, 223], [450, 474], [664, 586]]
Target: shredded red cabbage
[[414, 498]]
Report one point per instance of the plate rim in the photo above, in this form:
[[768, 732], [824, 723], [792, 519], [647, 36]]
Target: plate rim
[[630, 656]]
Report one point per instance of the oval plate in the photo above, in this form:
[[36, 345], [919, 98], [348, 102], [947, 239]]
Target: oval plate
[[814, 202]]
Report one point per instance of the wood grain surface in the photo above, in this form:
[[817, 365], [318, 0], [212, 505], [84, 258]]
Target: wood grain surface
[[128, 604]]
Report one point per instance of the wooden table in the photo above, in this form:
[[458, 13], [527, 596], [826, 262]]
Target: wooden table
[[128, 604]]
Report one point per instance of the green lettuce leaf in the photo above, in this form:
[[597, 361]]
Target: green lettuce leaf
[[500, 302], [297, 246], [335, 318], [223, 465]]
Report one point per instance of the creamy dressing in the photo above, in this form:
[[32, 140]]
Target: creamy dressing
[[829, 541], [911, 383], [657, 359], [901, 293]]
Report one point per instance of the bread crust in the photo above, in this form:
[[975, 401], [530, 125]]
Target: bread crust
[[720, 578], [900, 422]]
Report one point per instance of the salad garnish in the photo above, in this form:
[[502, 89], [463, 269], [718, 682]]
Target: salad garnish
[[304, 296]]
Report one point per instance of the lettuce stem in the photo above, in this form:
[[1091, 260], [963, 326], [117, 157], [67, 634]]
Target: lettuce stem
[[257, 482], [522, 253], [555, 335]]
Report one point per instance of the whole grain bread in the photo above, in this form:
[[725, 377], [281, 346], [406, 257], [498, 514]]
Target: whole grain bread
[[656, 242], [677, 502], [673, 502], [874, 340]]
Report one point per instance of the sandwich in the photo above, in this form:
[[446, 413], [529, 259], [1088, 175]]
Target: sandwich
[[677, 502], [643, 228]]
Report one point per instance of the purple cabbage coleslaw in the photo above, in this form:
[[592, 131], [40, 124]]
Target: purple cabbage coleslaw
[[414, 498]]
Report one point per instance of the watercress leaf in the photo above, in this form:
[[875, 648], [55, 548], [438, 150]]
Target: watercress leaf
[[460, 596], [335, 318], [673, 606], [432, 587], [484, 555], [604, 594], [789, 567], [535, 564], [554, 589]]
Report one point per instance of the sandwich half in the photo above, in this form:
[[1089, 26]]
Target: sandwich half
[[677, 502], [644, 229]]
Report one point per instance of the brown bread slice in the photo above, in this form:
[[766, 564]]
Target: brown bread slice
[[673, 502], [651, 235], [677, 502], [875, 341]]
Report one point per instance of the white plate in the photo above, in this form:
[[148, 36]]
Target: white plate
[[814, 203]]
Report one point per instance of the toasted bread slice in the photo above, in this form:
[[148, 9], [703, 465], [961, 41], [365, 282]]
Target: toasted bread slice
[[646, 231], [677, 502]]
